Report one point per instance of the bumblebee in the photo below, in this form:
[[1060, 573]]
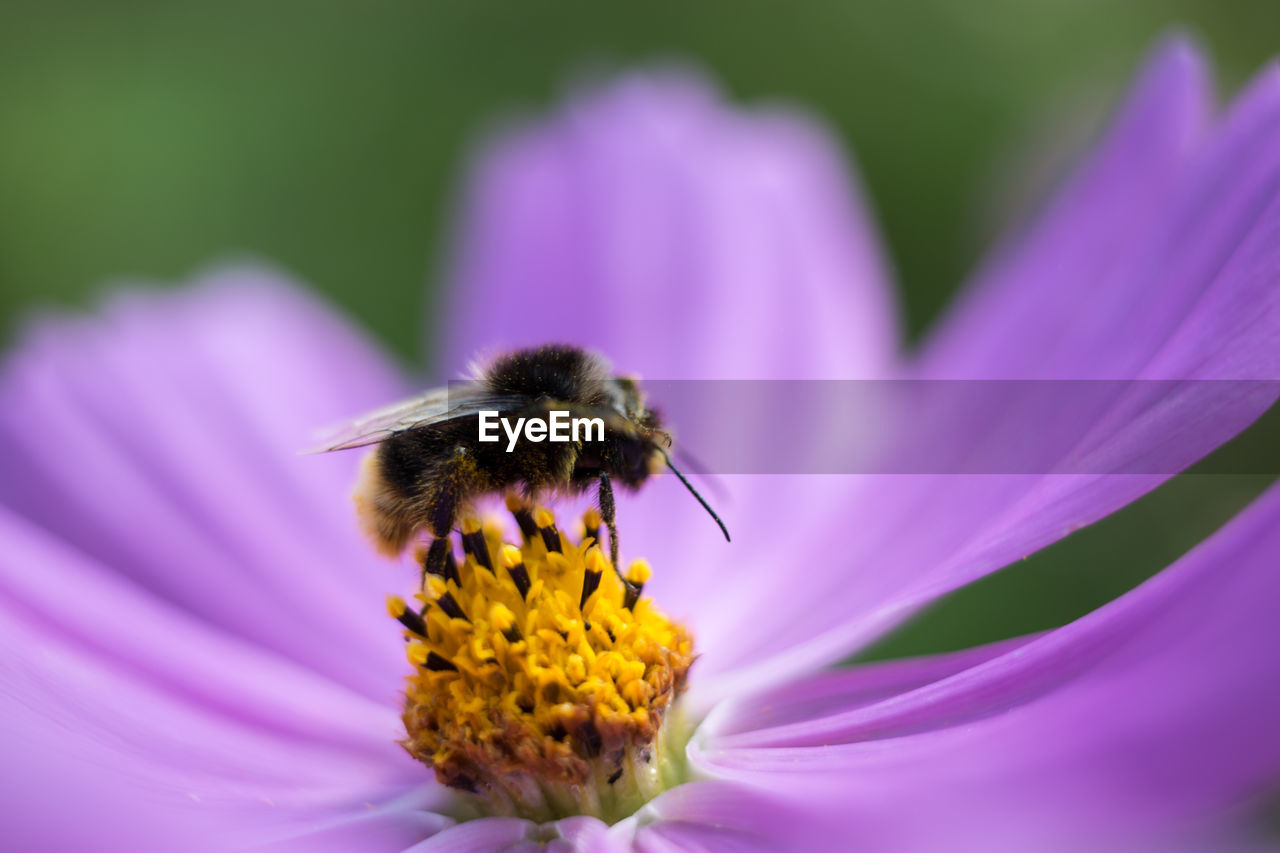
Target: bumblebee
[[430, 460]]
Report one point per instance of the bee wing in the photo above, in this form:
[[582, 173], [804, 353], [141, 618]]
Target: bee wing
[[435, 406]]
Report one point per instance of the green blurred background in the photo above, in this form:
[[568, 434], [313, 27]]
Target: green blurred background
[[150, 139]]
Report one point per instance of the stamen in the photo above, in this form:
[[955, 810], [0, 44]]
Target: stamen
[[451, 565], [504, 620], [515, 568], [591, 522], [473, 542], [523, 515], [406, 617], [528, 706], [637, 576], [591, 577], [547, 527], [437, 663], [443, 598]]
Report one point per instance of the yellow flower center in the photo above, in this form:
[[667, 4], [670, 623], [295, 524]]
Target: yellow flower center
[[542, 680]]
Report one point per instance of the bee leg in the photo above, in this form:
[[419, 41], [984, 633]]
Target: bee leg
[[608, 513], [439, 562]]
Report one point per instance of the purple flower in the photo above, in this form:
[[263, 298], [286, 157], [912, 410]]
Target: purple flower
[[196, 652]]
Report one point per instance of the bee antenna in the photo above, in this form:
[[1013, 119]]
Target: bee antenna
[[694, 492]]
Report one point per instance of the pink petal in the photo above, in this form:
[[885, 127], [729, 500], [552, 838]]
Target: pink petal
[[486, 835], [680, 238], [913, 538], [188, 614], [716, 816], [1061, 301], [1154, 713], [164, 439]]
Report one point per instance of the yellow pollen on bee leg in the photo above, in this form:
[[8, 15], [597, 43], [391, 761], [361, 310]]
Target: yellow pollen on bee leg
[[538, 688]]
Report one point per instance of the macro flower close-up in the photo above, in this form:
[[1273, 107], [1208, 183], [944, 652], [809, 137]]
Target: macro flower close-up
[[216, 640]]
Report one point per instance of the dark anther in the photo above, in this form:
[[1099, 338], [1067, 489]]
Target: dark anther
[[617, 774], [437, 663], [464, 783], [474, 544], [593, 532], [450, 607], [451, 567], [588, 739], [590, 582], [413, 622], [633, 594], [550, 538], [520, 577], [513, 634], [524, 518]]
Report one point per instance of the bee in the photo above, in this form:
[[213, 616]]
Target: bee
[[430, 461]]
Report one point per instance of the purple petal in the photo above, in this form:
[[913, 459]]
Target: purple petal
[[585, 835], [398, 824], [716, 816], [50, 803], [1208, 246], [678, 237], [163, 441], [1158, 710], [127, 694], [56, 599], [486, 835], [186, 609], [1058, 302]]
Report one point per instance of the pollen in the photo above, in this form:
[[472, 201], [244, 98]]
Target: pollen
[[543, 680]]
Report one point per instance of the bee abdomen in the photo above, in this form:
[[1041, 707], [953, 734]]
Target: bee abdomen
[[384, 510]]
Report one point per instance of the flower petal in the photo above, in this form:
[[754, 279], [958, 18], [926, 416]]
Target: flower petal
[[1071, 298], [140, 699], [716, 816], [183, 598], [678, 237], [918, 537], [163, 441], [486, 835], [1155, 711]]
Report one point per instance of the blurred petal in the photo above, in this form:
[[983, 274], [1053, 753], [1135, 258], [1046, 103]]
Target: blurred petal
[[182, 594], [1156, 711], [1067, 298], [163, 441], [395, 825], [83, 814], [486, 835], [158, 707], [718, 816], [679, 237], [1210, 247]]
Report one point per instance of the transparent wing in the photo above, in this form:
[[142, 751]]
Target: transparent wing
[[435, 406]]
